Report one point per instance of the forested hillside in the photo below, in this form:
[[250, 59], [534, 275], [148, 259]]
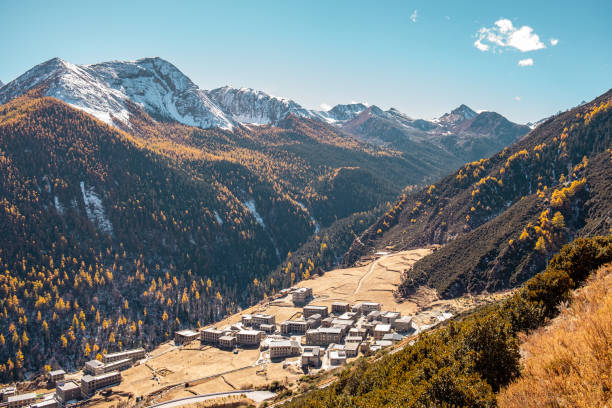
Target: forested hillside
[[114, 239], [503, 217], [466, 362]]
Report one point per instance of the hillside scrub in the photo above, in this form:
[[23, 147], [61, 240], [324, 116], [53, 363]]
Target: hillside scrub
[[568, 363], [466, 362]]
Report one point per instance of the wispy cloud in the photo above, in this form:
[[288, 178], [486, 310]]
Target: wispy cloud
[[503, 34], [527, 62], [324, 107], [414, 15], [517, 98], [554, 41]]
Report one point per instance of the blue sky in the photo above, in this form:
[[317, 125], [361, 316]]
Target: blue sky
[[417, 56]]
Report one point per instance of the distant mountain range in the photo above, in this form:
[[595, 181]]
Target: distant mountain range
[[503, 217], [109, 90]]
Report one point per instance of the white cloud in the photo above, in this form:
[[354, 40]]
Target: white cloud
[[324, 107], [554, 41], [504, 34], [526, 62], [413, 16], [517, 98]]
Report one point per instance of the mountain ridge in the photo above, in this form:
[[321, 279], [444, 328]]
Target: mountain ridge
[[541, 192]]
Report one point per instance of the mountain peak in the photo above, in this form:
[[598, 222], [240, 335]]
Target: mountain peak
[[105, 90], [465, 111]]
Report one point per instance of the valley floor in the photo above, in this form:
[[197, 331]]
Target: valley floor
[[166, 371]]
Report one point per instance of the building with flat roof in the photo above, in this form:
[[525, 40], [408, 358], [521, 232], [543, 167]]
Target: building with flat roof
[[383, 343], [389, 317], [90, 384], [358, 332], [56, 375], [367, 307], [185, 336], [246, 320], [403, 324], [324, 336], [337, 357], [394, 337], [267, 328], [249, 337], [301, 295], [373, 315], [227, 342], [327, 322], [311, 356], [294, 326], [380, 330], [68, 391], [48, 403], [261, 318], [311, 310], [353, 339], [93, 367], [284, 348], [132, 354], [210, 336], [340, 307], [118, 365], [351, 349], [21, 400], [7, 392]]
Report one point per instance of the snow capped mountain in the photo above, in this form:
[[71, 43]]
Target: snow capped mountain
[[457, 115], [340, 113], [1, 84], [105, 90], [249, 106], [108, 91]]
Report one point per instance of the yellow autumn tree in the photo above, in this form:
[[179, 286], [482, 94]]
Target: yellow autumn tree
[[540, 245]]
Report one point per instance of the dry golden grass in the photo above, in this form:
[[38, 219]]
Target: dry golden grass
[[569, 363]]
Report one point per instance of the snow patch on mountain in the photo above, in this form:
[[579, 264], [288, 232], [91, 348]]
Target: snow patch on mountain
[[250, 205], [58, 206], [94, 209], [249, 106], [218, 218]]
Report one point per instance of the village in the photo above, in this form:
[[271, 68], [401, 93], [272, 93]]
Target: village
[[318, 325], [321, 338]]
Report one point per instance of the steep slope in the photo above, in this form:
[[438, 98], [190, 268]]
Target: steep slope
[[574, 372], [547, 189], [248, 106], [106, 90]]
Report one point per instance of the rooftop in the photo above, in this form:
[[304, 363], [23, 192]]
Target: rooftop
[[187, 333], [94, 363], [22, 397], [382, 327], [68, 385], [249, 332], [57, 372], [88, 377]]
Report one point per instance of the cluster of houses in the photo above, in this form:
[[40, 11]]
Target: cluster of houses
[[339, 333], [342, 331], [97, 375]]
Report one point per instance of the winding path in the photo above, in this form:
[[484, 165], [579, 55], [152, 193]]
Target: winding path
[[369, 272]]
